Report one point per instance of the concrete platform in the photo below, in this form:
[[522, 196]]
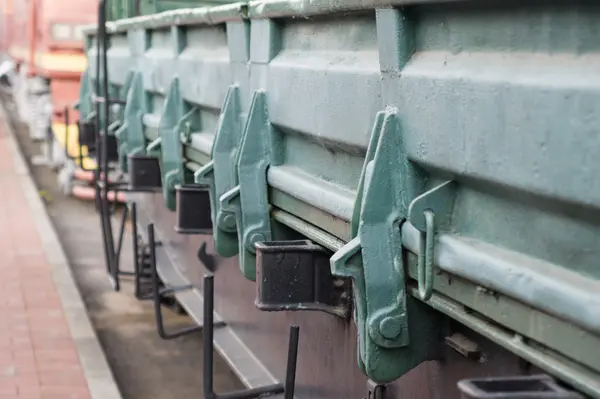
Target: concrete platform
[[48, 348]]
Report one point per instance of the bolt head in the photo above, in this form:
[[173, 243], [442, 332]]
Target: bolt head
[[229, 221], [256, 237], [391, 327]]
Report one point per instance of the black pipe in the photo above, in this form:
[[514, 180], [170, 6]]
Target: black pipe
[[207, 337], [121, 237], [97, 172], [106, 110], [103, 156], [67, 157], [137, 256], [290, 374]]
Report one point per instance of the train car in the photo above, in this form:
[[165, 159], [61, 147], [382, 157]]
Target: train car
[[47, 45], [121, 9], [6, 17], [411, 188]]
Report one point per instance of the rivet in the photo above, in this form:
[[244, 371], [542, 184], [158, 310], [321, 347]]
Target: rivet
[[256, 237], [390, 327], [229, 221]]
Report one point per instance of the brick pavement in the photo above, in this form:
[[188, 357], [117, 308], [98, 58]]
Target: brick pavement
[[40, 354]]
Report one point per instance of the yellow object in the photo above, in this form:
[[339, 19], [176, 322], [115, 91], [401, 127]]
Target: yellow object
[[73, 146], [53, 61], [45, 195]]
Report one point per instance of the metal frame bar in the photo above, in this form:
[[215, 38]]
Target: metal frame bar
[[287, 388], [158, 295]]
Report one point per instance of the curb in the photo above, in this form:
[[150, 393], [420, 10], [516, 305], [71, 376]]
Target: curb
[[99, 377]]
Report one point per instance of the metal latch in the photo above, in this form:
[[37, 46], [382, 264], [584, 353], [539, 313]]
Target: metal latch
[[172, 122], [131, 133], [395, 331], [85, 106], [86, 124], [249, 199], [220, 174]]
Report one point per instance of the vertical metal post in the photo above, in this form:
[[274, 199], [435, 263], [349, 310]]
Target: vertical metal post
[[102, 149], [290, 373], [67, 157], [137, 267], [106, 116], [98, 171], [155, 285], [207, 336], [120, 241]]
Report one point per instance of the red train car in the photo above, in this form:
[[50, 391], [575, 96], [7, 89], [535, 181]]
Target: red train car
[[46, 42], [6, 16]]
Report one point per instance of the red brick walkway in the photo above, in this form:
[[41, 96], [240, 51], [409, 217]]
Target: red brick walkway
[[38, 356]]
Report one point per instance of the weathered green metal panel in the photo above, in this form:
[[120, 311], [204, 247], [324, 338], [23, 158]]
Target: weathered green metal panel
[[192, 44], [443, 152], [221, 174], [84, 105], [121, 9]]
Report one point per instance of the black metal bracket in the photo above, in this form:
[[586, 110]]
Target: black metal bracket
[[296, 275], [287, 388], [193, 209], [160, 294], [514, 387], [88, 132], [144, 173], [375, 390]]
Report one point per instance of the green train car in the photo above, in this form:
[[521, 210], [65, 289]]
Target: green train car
[[414, 185], [121, 9]]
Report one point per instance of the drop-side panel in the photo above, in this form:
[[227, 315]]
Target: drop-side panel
[[500, 98]]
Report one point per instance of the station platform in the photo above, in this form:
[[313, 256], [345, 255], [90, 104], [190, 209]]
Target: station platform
[[48, 347]]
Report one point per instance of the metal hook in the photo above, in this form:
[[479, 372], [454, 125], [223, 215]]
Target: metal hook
[[426, 252], [430, 211], [158, 295]]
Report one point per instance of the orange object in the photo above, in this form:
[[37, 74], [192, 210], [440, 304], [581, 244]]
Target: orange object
[[88, 176], [88, 193]]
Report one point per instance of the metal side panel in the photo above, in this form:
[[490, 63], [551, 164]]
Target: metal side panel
[[119, 58], [327, 356], [443, 152], [472, 126], [510, 122]]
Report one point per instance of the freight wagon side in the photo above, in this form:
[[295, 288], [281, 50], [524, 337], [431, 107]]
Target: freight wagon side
[[414, 185]]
